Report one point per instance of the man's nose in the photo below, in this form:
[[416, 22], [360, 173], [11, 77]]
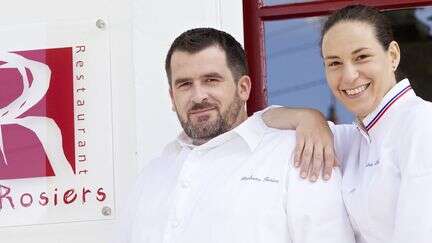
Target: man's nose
[[199, 94], [350, 73]]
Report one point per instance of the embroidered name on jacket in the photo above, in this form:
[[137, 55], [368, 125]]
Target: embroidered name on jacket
[[372, 163], [257, 179]]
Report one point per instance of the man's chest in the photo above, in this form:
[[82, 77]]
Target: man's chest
[[213, 191]]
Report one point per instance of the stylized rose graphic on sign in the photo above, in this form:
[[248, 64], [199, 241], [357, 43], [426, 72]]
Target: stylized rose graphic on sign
[[29, 137]]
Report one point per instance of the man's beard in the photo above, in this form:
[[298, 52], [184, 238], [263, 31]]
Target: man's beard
[[208, 130]]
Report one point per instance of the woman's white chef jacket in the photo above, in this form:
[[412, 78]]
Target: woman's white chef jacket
[[387, 169]]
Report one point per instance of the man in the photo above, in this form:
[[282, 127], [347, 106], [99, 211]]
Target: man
[[227, 178]]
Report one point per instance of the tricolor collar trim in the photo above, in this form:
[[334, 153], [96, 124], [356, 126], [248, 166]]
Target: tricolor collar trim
[[405, 88]]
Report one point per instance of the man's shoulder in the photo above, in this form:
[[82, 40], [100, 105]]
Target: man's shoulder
[[278, 141], [155, 164], [284, 136], [255, 129], [162, 161]]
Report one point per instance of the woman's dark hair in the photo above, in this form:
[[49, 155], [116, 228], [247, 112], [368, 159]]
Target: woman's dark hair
[[365, 14]]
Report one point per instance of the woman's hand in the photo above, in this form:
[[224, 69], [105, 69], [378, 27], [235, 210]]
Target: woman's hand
[[314, 150]]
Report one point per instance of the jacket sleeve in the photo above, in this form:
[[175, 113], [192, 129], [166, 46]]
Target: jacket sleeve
[[315, 211]]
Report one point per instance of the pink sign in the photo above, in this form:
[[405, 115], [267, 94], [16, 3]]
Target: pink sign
[[37, 114]]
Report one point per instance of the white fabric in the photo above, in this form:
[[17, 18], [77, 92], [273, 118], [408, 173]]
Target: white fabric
[[238, 187], [387, 171]]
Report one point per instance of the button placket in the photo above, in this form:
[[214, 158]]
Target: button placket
[[184, 194], [175, 223], [185, 184]]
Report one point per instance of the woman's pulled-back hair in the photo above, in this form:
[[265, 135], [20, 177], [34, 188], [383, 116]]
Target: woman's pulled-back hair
[[364, 14]]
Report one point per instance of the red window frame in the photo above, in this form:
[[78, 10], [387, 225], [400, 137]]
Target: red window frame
[[255, 12]]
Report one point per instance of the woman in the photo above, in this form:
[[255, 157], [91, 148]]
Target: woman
[[387, 160]]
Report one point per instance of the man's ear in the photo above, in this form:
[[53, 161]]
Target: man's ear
[[172, 100], [244, 87]]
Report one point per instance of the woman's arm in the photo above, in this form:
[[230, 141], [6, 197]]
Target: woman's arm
[[314, 139]]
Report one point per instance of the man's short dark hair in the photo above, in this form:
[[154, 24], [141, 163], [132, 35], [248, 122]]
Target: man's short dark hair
[[196, 40]]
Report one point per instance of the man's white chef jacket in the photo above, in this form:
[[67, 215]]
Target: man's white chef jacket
[[387, 172], [238, 187]]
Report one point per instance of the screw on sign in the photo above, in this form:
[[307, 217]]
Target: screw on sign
[[106, 211], [14, 112], [100, 24]]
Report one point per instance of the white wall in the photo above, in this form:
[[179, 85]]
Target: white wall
[[143, 100]]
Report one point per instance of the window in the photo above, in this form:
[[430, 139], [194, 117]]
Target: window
[[282, 44]]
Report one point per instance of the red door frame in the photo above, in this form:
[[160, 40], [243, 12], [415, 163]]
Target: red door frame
[[254, 15]]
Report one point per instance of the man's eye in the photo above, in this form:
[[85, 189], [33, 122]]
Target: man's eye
[[211, 80], [184, 84]]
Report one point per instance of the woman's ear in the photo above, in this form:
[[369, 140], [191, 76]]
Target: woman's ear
[[394, 54]]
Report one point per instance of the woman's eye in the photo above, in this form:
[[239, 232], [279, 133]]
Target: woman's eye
[[362, 57], [333, 64]]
